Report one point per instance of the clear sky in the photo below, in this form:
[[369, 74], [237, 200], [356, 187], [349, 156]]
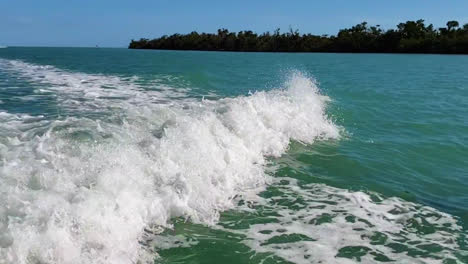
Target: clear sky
[[115, 23]]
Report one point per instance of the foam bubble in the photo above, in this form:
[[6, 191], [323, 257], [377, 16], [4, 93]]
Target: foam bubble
[[82, 190]]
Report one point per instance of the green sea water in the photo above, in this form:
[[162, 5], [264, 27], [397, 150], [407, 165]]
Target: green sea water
[[126, 156]]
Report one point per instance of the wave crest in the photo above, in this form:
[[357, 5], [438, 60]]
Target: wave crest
[[82, 190]]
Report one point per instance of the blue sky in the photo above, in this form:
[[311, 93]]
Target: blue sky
[[114, 23]]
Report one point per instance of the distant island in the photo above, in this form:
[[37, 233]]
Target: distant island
[[409, 37]]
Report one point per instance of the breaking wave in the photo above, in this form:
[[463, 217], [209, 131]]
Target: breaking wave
[[83, 189]]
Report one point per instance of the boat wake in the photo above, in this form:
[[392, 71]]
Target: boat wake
[[83, 188]]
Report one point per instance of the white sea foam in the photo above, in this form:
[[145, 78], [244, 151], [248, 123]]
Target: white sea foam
[[90, 92], [81, 190], [316, 223]]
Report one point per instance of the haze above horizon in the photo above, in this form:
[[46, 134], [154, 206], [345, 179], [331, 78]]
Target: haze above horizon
[[114, 23]]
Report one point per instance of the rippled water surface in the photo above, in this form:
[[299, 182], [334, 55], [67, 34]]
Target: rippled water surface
[[132, 156]]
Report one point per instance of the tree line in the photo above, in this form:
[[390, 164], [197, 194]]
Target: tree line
[[409, 37]]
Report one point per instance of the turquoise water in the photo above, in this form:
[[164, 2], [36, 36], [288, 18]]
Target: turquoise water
[[119, 156]]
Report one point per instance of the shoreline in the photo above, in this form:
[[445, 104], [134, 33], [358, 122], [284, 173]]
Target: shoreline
[[305, 52], [407, 37]]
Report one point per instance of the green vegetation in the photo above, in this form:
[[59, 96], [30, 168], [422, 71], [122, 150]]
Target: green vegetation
[[409, 37]]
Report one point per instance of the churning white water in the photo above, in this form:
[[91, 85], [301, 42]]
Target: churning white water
[[82, 190]]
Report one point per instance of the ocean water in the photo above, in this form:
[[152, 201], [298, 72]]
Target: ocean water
[[131, 156]]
